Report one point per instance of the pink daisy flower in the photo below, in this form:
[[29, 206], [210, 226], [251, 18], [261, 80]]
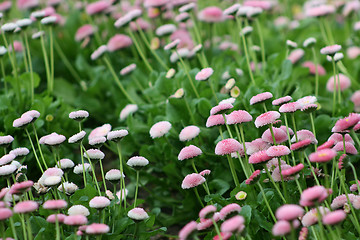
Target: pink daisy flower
[[187, 230], [26, 207], [21, 187], [261, 97], [337, 137], [326, 145], [349, 148], [279, 134], [312, 68], [312, 195], [289, 212], [53, 217], [97, 7], [5, 213], [324, 155], [204, 74], [341, 200], [295, 55], [214, 120], [55, 204], [289, 107], [300, 145], [227, 146], [188, 133], [224, 236], [84, 32], [281, 228], [259, 157], [334, 217], [278, 151], [281, 100], [276, 175], [159, 129], [206, 223], [353, 187], [75, 220], [189, 152], [304, 101], [303, 233], [256, 146], [292, 171], [205, 172], [228, 210], [346, 123], [311, 217], [266, 118], [211, 15], [207, 212], [238, 117], [254, 177], [355, 98], [341, 80], [303, 135], [119, 41], [330, 50], [192, 180], [221, 108], [233, 225], [97, 228]]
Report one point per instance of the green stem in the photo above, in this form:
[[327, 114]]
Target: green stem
[[198, 197], [117, 80], [312, 170], [262, 45], [217, 229], [137, 187], [82, 162], [334, 90], [289, 138], [3, 74], [187, 74], [122, 179], [23, 227], [274, 184], [142, 55], [355, 176], [142, 34], [294, 126], [246, 55], [33, 148], [46, 61], [233, 171], [51, 59], [39, 147], [316, 72], [313, 127], [102, 174], [32, 86], [266, 202], [13, 230]]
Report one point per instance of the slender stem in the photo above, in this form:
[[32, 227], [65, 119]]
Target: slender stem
[[198, 197], [137, 187], [242, 137], [33, 148], [66, 61], [289, 138], [117, 80], [312, 170], [23, 227], [13, 230], [82, 162], [316, 72], [102, 174], [355, 176], [313, 127], [232, 169], [3, 74], [142, 34], [51, 58], [39, 147], [294, 126], [122, 171], [93, 171], [211, 83], [262, 45], [274, 184], [188, 75], [246, 55], [266, 202], [335, 87], [217, 229], [46, 61], [57, 226], [30, 67], [146, 62], [353, 134], [189, 110]]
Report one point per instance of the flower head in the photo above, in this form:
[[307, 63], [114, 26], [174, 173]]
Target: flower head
[[266, 118], [188, 133], [204, 74], [189, 152], [227, 146], [192, 180], [159, 129], [138, 214]]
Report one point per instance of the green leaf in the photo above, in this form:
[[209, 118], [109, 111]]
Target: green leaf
[[83, 196], [221, 186], [262, 221], [246, 213], [286, 69]]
